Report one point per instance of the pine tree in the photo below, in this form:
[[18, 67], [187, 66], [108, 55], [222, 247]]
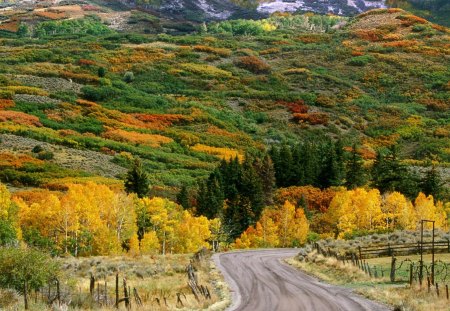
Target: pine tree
[[284, 174], [137, 180], [331, 174], [266, 172], [432, 183], [298, 169], [356, 175], [183, 198], [389, 174], [210, 197]]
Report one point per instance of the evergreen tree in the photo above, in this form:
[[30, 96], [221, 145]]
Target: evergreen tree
[[311, 164], [432, 183], [389, 174], [356, 175], [252, 188], [298, 169], [183, 198], [210, 197], [137, 180], [264, 168], [332, 172], [284, 174]]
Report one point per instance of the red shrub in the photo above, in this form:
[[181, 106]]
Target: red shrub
[[295, 107], [314, 118], [252, 64]]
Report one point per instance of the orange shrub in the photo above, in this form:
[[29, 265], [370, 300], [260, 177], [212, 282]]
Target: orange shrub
[[312, 38], [409, 20], [440, 28], [152, 140], [295, 107], [252, 64], [80, 77], [19, 118], [314, 118], [270, 51], [86, 62], [6, 103], [12, 26], [217, 51], [316, 199], [357, 53], [369, 35], [392, 37], [435, 104], [401, 44], [16, 160], [51, 14], [87, 103]]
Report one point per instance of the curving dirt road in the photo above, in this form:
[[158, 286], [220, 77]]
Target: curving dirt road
[[260, 281]]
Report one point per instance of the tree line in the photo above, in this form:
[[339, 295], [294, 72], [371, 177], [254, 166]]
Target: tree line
[[237, 191]]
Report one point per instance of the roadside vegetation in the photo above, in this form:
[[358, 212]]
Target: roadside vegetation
[[399, 292]]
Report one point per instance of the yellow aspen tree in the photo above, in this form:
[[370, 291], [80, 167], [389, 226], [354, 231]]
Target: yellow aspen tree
[[426, 209], [266, 231], [150, 243], [243, 241], [163, 218], [367, 207], [342, 213], [301, 228], [215, 227], [191, 233], [133, 245], [5, 201], [398, 212]]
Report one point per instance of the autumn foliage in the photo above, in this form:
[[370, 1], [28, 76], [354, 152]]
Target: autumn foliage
[[252, 64]]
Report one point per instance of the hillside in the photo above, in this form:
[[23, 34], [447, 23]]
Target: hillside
[[184, 102]]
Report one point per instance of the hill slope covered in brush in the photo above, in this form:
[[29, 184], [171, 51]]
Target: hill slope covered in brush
[[78, 95]]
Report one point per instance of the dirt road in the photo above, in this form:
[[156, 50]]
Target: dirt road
[[260, 281]]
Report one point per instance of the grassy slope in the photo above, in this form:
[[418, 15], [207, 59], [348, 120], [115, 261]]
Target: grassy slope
[[383, 78]]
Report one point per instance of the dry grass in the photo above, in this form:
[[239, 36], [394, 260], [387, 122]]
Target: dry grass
[[154, 277], [400, 295]]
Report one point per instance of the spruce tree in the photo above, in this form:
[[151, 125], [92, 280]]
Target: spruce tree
[[137, 180], [264, 168], [284, 175], [389, 174], [183, 198], [356, 175], [210, 197], [432, 183]]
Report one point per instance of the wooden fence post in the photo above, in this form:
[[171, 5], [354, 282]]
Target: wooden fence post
[[117, 290], [393, 267], [92, 285], [410, 274], [429, 283], [359, 249], [25, 294], [58, 292], [446, 290], [437, 289]]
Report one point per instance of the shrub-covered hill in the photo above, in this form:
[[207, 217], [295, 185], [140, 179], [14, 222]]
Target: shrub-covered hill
[[182, 103]]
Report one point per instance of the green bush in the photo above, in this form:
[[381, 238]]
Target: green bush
[[361, 60]]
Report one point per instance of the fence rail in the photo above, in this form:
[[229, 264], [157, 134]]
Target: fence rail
[[389, 250]]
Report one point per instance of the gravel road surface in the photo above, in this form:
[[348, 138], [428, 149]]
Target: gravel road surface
[[260, 281]]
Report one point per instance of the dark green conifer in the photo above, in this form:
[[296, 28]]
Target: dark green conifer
[[137, 180]]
